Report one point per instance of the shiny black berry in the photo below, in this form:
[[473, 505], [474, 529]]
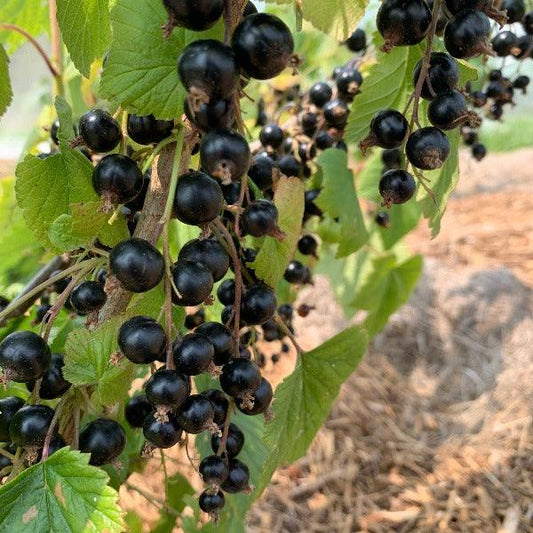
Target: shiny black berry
[[221, 339], [258, 304], [214, 470], [348, 83], [208, 70], [238, 477], [226, 292], [427, 148], [336, 113], [467, 34], [234, 443], [198, 199], [388, 129], [442, 76], [392, 158], [521, 82], [504, 42], [527, 23], [479, 151], [88, 297], [383, 219], [209, 502], [271, 136], [142, 340], [148, 130], [117, 179], [260, 218], [8, 408], [137, 409], [195, 414], [100, 131], [448, 110], [24, 356], [308, 245], [403, 22], [396, 187], [162, 433], [240, 377], [167, 388], [261, 399], [195, 15], [263, 45], [210, 253], [320, 94], [53, 384], [216, 114], [137, 264], [357, 41], [193, 281], [195, 319], [297, 273], [29, 425], [220, 404], [289, 166], [311, 209], [516, 9], [261, 171], [225, 154], [193, 354]]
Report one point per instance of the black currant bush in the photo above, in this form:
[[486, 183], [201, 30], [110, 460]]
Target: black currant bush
[[182, 202]]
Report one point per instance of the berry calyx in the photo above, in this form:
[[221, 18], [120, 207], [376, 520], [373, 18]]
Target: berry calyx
[[142, 340], [261, 400], [24, 356], [29, 425], [336, 113], [348, 83], [193, 354], [167, 388], [193, 281], [88, 297], [427, 148], [100, 131], [396, 187], [137, 264], [148, 130], [104, 439]]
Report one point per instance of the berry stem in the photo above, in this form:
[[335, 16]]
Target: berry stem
[[6, 454], [225, 431], [51, 429], [288, 332], [425, 63], [242, 194]]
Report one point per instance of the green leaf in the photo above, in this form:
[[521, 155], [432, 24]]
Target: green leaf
[[303, 400], [177, 487], [87, 362], [442, 183], [403, 219], [86, 30], [6, 94], [386, 288], [62, 494], [32, 16], [274, 255], [385, 86], [339, 200]]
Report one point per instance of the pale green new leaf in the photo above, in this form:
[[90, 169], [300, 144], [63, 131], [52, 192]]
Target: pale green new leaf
[[6, 94], [86, 30], [62, 494], [87, 362], [274, 256], [339, 200], [32, 16], [304, 399]]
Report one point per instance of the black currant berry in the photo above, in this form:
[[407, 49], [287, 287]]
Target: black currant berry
[[348, 83], [403, 22], [193, 354], [41, 312], [29, 425], [100, 131], [260, 218], [220, 404], [308, 245], [162, 434], [396, 187], [521, 82], [306, 152], [214, 470], [263, 45], [271, 136], [88, 297], [449, 110], [320, 94], [142, 340], [238, 477], [217, 114], [137, 264], [336, 113], [240, 377], [195, 15], [8, 407], [324, 140], [208, 70], [261, 399], [296, 273], [388, 129], [209, 502], [516, 9], [195, 319], [148, 130], [167, 388], [442, 76], [225, 154], [208, 252], [261, 171], [226, 292], [478, 98], [527, 23], [117, 179], [104, 439], [479, 151], [61, 284], [193, 281], [427, 148], [383, 219], [311, 209], [357, 41], [496, 111], [258, 304], [289, 166], [234, 443], [392, 159], [467, 34], [195, 414], [53, 384], [137, 409], [470, 137], [504, 43], [221, 339], [198, 199], [24, 356]]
